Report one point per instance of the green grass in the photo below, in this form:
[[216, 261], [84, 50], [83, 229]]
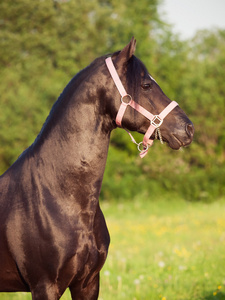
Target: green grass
[[168, 250]]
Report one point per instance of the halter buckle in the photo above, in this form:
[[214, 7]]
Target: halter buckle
[[156, 121], [129, 98], [143, 147]]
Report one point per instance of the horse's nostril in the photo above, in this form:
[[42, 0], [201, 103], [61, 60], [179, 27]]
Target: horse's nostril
[[190, 130]]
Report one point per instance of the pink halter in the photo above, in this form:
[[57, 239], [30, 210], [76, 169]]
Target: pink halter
[[155, 120]]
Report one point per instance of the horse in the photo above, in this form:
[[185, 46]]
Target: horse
[[53, 234]]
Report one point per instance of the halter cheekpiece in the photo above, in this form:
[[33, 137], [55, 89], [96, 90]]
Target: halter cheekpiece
[[155, 120]]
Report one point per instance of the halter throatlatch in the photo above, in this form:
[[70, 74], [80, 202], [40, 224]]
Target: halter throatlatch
[[155, 120]]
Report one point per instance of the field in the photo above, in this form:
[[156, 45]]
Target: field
[[162, 250]]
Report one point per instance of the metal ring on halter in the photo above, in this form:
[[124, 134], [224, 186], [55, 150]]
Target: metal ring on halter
[[126, 103], [156, 121], [144, 148]]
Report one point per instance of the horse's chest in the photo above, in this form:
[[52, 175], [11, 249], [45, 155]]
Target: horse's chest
[[91, 241], [90, 252]]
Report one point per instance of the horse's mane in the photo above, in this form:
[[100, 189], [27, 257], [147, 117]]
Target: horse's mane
[[135, 71], [134, 68], [57, 109]]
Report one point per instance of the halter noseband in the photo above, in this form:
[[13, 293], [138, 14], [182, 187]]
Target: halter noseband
[[155, 120]]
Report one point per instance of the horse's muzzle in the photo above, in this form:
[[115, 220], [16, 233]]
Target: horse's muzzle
[[190, 130]]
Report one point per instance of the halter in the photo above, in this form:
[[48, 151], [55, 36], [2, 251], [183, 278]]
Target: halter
[[155, 120]]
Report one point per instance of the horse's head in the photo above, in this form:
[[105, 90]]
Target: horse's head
[[176, 129]]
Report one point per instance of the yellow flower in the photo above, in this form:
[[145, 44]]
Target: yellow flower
[[219, 287], [163, 298], [214, 293]]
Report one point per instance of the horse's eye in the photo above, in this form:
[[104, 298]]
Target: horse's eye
[[146, 86]]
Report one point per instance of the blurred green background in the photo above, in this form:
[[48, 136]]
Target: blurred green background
[[164, 249], [45, 43]]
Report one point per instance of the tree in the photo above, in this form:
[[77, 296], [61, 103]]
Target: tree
[[44, 43]]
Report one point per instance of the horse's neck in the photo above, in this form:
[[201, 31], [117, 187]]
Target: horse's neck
[[71, 151], [78, 141], [69, 155]]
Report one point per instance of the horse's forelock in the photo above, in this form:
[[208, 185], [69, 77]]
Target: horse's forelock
[[135, 71]]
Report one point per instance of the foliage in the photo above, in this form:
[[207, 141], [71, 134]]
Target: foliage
[[193, 74], [44, 43]]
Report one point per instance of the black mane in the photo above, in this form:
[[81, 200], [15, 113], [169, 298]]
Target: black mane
[[58, 108], [136, 72]]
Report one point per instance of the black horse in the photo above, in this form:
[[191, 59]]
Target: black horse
[[53, 234]]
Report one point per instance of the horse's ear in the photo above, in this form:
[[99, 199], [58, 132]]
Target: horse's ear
[[126, 53]]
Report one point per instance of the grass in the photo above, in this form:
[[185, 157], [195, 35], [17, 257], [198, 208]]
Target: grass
[[165, 250], [162, 250]]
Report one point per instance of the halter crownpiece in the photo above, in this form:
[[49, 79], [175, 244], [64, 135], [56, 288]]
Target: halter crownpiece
[[155, 120]]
